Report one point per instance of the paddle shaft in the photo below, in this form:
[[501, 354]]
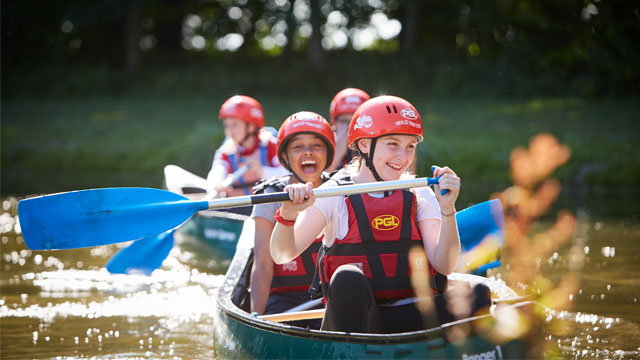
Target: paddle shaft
[[293, 316], [322, 192]]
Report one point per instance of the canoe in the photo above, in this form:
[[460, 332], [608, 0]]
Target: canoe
[[239, 334], [212, 236]]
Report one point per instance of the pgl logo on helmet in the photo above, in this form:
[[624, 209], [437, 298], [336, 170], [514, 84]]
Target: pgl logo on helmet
[[364, 121], [385, 222], [408, 113]]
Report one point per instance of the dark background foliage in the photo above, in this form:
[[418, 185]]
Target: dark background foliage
[[517, 48]]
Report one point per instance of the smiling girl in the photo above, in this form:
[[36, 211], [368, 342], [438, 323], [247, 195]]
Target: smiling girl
[[305, 147], [364, 258]]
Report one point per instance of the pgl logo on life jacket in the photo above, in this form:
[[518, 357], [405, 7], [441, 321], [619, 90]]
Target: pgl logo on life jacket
[[385, 222], [290, 266]]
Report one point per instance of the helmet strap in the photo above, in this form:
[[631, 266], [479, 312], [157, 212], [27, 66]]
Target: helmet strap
[[296, 175], [249, 134], [368, 159], [288, 167]]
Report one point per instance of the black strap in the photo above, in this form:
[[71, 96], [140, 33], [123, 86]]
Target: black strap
[[276, 183], [319, 283], [366, 234], [406, 231]]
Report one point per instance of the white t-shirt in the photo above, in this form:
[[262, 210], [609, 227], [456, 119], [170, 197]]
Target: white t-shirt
[[335, 211]]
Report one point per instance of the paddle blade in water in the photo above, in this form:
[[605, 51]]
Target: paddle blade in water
[[101, 216], [142, 256]]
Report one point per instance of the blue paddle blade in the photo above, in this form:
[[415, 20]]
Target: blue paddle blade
[[96, 217], [478, 221], [481, 229], [142, 256]]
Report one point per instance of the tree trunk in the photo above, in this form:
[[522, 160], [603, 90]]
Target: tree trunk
[[291, 32], [410, 26], [316, 52], [132, 36]]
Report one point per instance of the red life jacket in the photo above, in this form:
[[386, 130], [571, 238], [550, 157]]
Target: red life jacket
[[381, 232], [297, 274]]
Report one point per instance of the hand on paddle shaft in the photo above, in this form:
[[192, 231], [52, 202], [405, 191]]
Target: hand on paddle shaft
[[301, 196], [447, 188]]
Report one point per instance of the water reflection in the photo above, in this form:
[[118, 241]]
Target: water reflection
[[62, 303]]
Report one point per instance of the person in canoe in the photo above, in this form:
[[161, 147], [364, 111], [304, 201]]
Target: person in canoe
[[306, 147], [248, 148], [363, 263], [342, 107]]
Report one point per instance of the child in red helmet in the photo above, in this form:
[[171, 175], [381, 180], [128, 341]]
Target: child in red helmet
[[306, 147], [342, 107], [363, 263], [248, 148]]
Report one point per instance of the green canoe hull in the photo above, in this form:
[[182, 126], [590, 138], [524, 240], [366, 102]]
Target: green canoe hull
[[212, 237], [238, 334]]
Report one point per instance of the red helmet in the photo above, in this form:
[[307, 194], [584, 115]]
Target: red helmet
[[384, 115], [244, 108], [346, 102], [306, 122]]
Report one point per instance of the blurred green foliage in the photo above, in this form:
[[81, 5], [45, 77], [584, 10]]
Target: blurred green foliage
[[439, 48]]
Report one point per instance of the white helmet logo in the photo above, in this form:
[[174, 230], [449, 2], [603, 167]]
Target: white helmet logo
[[408, 113], [256, 113], [363, 121], [352, 99]]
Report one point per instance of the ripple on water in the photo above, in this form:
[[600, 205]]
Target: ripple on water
[[594, 336]]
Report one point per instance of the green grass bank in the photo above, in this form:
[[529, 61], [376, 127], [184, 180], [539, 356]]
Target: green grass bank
[[61, 144]]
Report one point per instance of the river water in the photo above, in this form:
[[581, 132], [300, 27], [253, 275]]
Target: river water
[[63, 304]]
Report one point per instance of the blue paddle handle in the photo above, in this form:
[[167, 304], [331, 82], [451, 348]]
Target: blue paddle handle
[[435, 181]]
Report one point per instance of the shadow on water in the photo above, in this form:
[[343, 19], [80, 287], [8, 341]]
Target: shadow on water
[[62, 303]]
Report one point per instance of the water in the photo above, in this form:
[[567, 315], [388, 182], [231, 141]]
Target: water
[[63, 304]]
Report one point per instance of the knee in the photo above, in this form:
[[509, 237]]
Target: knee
[[348, 281]]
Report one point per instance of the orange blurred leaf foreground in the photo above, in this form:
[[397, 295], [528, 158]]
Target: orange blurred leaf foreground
[[531, 196]]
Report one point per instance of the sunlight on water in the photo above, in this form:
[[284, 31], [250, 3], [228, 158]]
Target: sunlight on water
[[64, 304], [178, 294]]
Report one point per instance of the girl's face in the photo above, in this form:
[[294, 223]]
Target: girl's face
[[307, 157], [393, 154], [235, 129]]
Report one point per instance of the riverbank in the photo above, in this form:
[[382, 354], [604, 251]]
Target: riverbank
[[52, 145]]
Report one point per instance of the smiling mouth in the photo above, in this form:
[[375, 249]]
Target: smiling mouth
[[309, 166], [394, 166]]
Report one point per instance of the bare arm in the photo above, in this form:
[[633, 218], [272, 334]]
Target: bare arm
[[262, 272], [440, 237], [288, 242], [441, 242]]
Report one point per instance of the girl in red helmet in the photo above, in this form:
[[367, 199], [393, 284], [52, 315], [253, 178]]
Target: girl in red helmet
[[342, 107], [247, 147], [363, 263], [305, 147]]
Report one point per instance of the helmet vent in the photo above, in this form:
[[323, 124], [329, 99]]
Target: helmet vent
[[388, 109], [394, 109]]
